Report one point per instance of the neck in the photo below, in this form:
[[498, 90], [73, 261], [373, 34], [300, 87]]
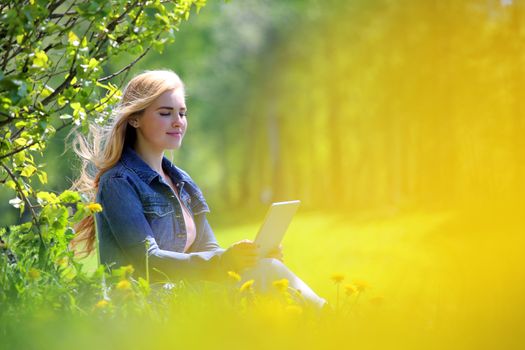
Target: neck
[[151, 157]]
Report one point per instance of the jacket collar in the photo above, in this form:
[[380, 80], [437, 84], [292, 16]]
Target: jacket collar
[[131, 160]]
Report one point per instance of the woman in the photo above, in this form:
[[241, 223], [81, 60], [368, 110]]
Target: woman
[[151, 207]]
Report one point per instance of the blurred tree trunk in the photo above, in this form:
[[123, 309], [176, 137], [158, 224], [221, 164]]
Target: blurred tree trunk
[[517, 87], [334, 97]]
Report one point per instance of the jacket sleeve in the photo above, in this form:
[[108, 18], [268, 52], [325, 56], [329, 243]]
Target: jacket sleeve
[[206, 240], [122, 209]]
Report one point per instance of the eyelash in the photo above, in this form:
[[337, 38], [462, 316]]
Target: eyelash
[[181, 114]]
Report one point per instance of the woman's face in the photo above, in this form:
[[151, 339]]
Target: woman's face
[[163, 124]]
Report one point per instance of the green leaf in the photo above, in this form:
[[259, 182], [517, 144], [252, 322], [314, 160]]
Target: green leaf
[[21, 141], [40, 59], [46, 91], [42, 177], [20, 124], [144, 286], [20, 157], [92, 63], [69, 196], [28, 170], [11, 184], [76, 106], [73, 39], [61, 101], [46, 197]]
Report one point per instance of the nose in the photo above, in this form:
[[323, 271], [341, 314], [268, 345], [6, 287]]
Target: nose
[[177, 120]]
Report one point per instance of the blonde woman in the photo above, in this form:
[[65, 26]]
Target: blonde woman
[[152, 207]]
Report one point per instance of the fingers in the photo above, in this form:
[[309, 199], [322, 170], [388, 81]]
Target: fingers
[[242, 255], [279, 257], [244, 245], [245, 254], [276, 253]]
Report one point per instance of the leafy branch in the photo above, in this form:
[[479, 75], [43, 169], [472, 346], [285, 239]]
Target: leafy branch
[[52, 57]]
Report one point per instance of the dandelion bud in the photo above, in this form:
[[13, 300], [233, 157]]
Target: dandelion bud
[[124, 285]]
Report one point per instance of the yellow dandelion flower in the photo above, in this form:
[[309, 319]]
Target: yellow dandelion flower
[[94, 207], [101, 304], [361, 285], [281, 285], [33, 273], [234, 275], [124, 285], [246, 285], [350, 289], [338, 278]]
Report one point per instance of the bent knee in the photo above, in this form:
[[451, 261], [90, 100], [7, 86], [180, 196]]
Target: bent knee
[[273, 268]]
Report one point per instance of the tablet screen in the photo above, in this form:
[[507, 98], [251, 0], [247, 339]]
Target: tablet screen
[[275, 225]]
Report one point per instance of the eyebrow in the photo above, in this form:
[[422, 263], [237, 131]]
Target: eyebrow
[[171, 108]]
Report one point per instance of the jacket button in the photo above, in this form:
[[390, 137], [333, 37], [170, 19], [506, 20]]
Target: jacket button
[[180, 235]]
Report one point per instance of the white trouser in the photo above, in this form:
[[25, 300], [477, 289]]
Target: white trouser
[[269, 270]]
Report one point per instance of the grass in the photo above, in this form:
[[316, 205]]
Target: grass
[[447, 276], [379, 251], [435, 279]]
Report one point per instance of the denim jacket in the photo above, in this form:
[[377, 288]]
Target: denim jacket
[[141, 213]]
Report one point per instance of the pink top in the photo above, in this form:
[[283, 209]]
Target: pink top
[[191, 231]]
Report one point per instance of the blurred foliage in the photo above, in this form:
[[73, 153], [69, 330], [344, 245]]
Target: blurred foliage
[[52, 76], [405, 105], [352, 105]]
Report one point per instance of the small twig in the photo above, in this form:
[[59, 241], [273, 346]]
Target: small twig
[[64, 84], [60, 15], [6, 54], [28, 203], [31, 143], [17, 133], [126, 67]]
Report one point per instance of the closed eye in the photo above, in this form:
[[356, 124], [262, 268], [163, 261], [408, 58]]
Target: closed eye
[[168, 110]]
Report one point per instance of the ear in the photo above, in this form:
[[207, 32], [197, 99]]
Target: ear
[[134, 123]]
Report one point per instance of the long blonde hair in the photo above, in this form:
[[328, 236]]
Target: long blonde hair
[[103, 146]]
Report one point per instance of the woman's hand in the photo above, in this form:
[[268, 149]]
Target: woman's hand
[[240, 256], [276, 253]]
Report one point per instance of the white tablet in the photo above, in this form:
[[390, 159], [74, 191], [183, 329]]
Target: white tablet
[[275, 224]]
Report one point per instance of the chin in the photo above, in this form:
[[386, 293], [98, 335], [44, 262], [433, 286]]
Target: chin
[[174, 147]]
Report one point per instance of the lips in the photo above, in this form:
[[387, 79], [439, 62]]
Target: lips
[[175, 133]]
